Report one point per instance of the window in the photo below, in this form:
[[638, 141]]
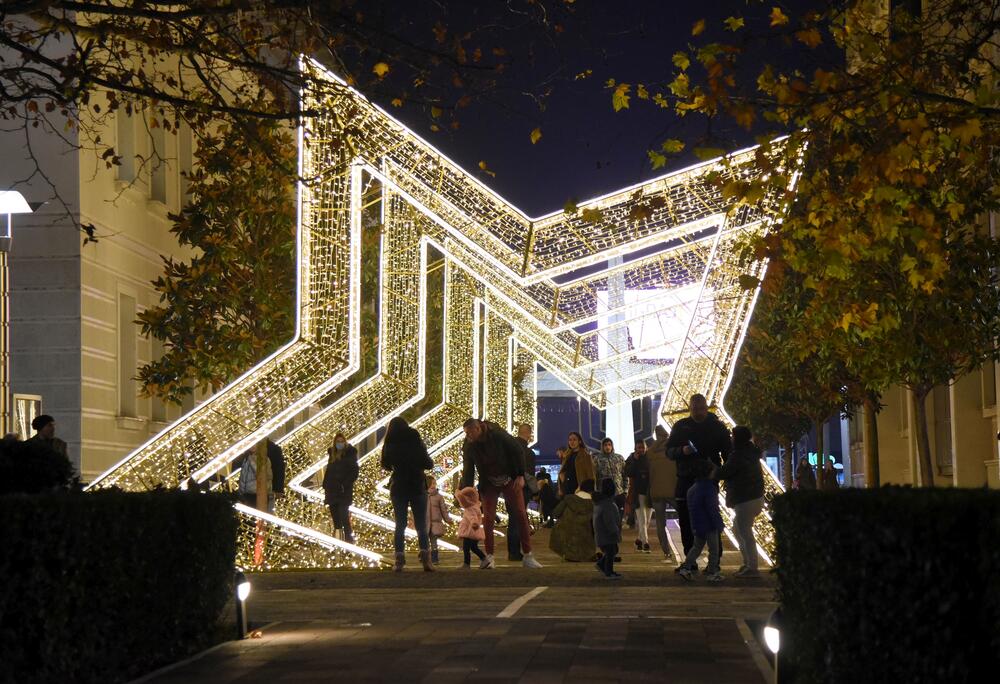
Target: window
[[127, 363], [158, 173], [988, 378], [158, 407], [941, 396], [185, 160], [126, 145]]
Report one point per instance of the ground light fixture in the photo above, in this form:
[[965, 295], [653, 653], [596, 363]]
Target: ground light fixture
[[242, 592], [772, 637]]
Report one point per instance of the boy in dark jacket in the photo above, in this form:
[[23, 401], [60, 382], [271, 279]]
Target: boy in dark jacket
[[706, 521], [607, 528]]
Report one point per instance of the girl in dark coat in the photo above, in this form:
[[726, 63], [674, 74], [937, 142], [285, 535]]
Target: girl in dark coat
[[404, 454], [338, 484], [744, 494]]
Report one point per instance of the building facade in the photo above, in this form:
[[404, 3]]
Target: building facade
[[75, 345]]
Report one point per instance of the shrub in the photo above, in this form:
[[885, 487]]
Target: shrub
[[103, 586], [32, 467], [889, 585]]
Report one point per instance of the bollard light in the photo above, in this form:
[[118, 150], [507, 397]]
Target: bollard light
[[242, 592], [772, 637]]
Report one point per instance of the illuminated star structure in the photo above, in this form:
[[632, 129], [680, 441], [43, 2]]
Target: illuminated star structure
[[633, 294]]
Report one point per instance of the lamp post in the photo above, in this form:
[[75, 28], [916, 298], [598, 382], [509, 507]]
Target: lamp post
[[772, 637], [242, 592], [11, 202]]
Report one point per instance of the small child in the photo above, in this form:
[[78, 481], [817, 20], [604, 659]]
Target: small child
[[470, 527], [706, 522], [437, 516], [607, 528]]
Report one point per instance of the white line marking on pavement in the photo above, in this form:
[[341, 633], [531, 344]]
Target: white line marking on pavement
[[519, 602]]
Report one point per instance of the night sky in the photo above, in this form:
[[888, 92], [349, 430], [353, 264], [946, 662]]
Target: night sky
[[587, 149]]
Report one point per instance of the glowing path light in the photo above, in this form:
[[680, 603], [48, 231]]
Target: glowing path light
[[520, 292]]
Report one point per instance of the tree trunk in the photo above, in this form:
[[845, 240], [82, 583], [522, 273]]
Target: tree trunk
[[924, 460], [261, 453], [820, 448], [786, 466], [869, 432]]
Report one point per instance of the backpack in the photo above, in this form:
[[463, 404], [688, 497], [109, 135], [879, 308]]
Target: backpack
[[248, 475]]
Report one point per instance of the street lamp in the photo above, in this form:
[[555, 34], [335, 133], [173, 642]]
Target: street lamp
[[242, 592], [11, 202], [772, 637]]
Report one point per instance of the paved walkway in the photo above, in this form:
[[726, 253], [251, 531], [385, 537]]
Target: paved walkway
[[561, 623]]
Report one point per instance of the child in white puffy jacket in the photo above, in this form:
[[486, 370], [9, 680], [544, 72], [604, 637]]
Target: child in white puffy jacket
[[470, 528]]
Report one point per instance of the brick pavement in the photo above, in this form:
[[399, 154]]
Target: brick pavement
[[443, 627]]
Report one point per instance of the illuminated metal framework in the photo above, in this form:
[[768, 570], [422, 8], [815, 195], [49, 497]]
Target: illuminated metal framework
[[517, 293]]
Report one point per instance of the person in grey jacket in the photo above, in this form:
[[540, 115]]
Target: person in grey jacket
[[744, 494], [607, 528]]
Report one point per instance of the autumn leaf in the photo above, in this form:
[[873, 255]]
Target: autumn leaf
[[972, 128], [672, 146], [592, 215], [536, 135], [436, 111], [380, 69], [706, 153], [748, 282], [778, 18], [656, 159], [681, 60], [485, 169], [396, 102], [698, 28], [570, 206], [619, 99], [584, 74], [810, 37], [641, 92], [733, 23]]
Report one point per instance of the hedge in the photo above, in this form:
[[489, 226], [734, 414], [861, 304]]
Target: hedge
[[889, 585], [104, 586]]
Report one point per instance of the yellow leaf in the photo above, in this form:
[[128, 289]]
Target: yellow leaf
[[536, 135], [436, 112], [733, 23], [672, 146], [583, 74], [681, 60], [485, 169], [810, 37], [969, 130], [698, 27], [778, 18], [592, 215], [619, 99], [641, 92], [380, 69], [396, 102]]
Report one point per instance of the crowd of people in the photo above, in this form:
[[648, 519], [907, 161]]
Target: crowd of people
[[588, 504]]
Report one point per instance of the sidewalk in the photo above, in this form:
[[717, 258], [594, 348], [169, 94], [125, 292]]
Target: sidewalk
[[561, 623]]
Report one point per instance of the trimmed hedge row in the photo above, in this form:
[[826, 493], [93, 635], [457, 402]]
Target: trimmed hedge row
[[889, 585], [104, 586]]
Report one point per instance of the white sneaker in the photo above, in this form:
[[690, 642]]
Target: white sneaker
[[530, 562], [487, 563]]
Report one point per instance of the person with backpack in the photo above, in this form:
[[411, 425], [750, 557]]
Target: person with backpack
[[274, 476]]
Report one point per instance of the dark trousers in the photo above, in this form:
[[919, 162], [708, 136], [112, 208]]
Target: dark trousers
[[684, 520], [418, 504], [341, 514], [607, 561], [471, 546]]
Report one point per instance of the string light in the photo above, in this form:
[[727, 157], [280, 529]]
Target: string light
[[519, 293]]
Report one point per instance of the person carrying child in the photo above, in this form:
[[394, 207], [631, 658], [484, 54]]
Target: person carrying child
[[706, 521], [437, 517], [470, 527], [607, 528]]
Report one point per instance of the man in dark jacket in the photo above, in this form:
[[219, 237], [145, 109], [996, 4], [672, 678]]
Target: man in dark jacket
[[499, 460], [699, 437]]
